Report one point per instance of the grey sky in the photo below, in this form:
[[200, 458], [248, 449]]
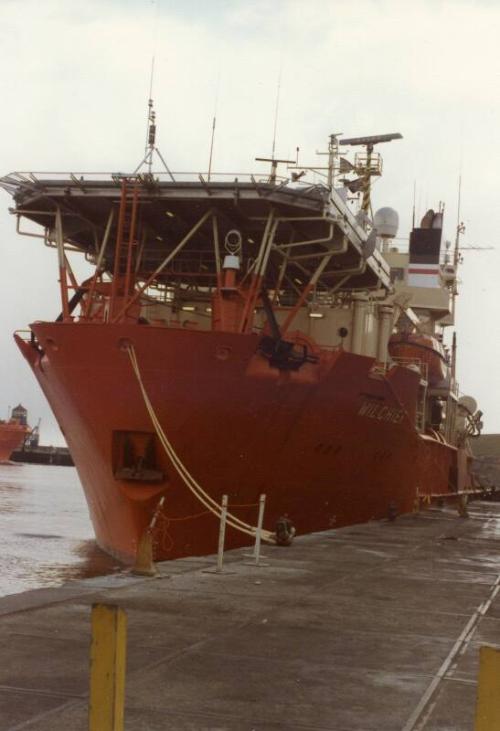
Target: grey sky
[[74, 84]]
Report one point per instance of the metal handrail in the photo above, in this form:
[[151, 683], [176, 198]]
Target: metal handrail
[[36, 177], [405, 362]]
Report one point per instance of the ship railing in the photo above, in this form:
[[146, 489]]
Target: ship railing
[[80, 178], [25, 335], [398, 245], [401, 245], [329, 348], [412, 363]]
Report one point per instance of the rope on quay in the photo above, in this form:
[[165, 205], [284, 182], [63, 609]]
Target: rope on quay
[[190, 482]]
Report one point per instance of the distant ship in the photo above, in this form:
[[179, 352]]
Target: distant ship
[[13, 432], [242, 335]]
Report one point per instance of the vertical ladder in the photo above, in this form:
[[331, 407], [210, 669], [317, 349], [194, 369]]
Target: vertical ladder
[[420, 416], [126, 245]]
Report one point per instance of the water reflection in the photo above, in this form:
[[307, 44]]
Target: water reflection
[[10, 493], [47, 537]]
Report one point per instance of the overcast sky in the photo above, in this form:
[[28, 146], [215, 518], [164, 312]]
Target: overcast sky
[[74, 83]]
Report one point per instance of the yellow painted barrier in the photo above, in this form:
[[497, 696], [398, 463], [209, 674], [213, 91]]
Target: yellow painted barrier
[[488, 690], [107, 668]]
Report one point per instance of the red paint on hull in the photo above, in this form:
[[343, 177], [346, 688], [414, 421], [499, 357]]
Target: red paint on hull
[[330, 444], [12, 435]]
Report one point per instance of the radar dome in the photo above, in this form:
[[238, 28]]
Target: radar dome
[[468, 403], [386, 221]]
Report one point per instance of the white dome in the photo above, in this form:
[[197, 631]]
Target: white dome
[[468, 403], [386, 221]]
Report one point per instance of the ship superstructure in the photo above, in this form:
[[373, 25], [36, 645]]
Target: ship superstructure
[[242, 335]]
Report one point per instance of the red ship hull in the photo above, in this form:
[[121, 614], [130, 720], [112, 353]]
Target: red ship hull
[[331, 444], [12, 435]]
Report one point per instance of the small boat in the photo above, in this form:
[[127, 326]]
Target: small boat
[[429, 351]]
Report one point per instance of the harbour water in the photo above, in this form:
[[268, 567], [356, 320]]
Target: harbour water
[[47, 537]]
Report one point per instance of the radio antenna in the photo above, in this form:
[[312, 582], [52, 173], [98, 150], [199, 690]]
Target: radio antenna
[[151, 147], [213, 127], [414, 199], [154, 37], [150, 105], [459, 202], [276, 109], [274, 161]]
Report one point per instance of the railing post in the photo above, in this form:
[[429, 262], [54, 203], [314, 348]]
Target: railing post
[[488, 690], [255, 555], [222, 534], [260, 521], [107, 668]]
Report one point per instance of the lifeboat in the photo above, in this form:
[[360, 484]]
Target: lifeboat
[[425, 349]]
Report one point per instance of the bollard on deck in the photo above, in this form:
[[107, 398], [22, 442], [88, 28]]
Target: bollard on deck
[[107, 668]]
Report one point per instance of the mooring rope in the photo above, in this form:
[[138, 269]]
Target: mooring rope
[[188, 479]]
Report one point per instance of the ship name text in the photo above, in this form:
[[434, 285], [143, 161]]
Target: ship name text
[[380, 412]]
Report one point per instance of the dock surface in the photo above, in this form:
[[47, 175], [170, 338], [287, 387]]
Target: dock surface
[[374, 627]]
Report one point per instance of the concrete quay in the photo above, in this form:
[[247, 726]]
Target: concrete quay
[[375, 627]]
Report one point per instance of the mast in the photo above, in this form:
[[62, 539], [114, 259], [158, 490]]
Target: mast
[[151, 147], [366, 203], [453, 358], [333, 149], [369, 163], [151, 135], [456, 251]]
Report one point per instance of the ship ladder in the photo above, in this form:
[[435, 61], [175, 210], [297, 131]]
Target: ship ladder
[[126, 243], [190, 482]]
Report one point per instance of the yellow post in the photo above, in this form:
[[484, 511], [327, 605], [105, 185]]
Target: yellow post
[[488, 690], [107, 668]]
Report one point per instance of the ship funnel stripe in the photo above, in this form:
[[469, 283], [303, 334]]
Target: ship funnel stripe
[[182, 470]]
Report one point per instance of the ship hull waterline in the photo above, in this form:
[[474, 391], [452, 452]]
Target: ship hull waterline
[[331, 444]]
